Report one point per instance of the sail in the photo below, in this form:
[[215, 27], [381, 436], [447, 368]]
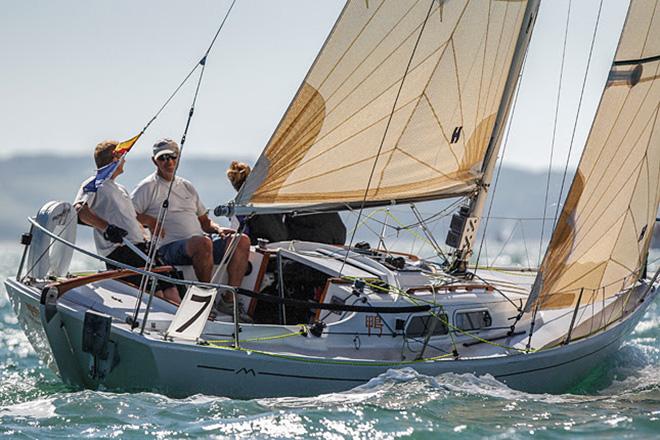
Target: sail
[[602, 238], [409, 89]]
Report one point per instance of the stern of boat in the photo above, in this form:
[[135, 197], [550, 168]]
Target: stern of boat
[[25, 301]]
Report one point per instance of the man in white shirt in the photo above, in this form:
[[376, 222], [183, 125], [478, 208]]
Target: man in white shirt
[[110, 212], [184, 231]]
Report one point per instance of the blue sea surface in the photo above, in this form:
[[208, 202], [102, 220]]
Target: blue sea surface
[[620, 399]]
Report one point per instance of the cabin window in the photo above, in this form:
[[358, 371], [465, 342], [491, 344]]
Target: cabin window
[[473, 320], [421, 325]]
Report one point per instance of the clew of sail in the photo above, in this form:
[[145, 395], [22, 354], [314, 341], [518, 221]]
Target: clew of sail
[[328, 141], [602, 237]]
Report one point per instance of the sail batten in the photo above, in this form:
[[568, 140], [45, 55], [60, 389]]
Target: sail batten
[[423, 130], [604, 232]]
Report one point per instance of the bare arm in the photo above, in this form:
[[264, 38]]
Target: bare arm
[[210, 227], [150, 222], [89, 217]]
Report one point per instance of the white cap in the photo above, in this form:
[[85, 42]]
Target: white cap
[[165, 146]]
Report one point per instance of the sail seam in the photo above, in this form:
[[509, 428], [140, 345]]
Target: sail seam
[[604, 208], [564, 287], [621, 218], [441, 49], [340, 143], [483, 64], [286, 170], [648, 31], [382, 142], [614, 125], [619, 164], [458, 86], [577, 117], [497, 53], [366, 77], [442, 130], [421, 162], [341, 123], [629, 269], [357, 36]]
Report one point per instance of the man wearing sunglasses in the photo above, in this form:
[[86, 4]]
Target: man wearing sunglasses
[[187, 236], [110, 212]]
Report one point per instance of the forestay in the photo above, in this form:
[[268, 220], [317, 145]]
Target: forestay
[[603, 234], [325, 146]]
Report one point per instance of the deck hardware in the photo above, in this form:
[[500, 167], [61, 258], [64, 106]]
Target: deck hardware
[[26, 239], [49, 297], [317, 328], [358, 286]]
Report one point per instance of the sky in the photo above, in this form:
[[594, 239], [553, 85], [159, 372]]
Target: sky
[[77, 72]]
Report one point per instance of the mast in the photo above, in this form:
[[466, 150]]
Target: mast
[[465, 223]]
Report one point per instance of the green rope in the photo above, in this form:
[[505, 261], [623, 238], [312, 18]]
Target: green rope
[[365, 363], [417, 301], [302, 332]]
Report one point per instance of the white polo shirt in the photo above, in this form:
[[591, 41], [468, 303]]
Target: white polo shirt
[[185, 206], [112, 203]]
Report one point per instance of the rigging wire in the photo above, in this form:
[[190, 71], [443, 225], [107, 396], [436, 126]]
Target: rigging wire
[[570, 148], [387, 126], [162, 213], [577, 115], [153, 118], [499, 166], [412, 299], [195, 67], [554, 132]]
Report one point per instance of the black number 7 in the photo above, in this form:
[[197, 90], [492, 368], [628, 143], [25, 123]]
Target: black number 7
[[206, 300]]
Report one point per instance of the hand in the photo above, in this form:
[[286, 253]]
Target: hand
[[225, 232], [114, 234]]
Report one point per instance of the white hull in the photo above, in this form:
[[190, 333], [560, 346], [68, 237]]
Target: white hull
[[181, 369]]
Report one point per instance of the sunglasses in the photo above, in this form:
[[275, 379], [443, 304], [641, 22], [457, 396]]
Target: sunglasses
[[166, 157]]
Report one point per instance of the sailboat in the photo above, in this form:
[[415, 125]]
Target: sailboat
[[407, 101]]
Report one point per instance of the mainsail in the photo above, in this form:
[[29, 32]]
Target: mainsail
[[431, 143], [602, 238]]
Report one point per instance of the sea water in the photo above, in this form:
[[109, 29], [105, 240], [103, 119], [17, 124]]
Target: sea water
[[619, 399]]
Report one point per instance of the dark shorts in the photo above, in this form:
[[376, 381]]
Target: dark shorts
[[175, 253], [123, 254]]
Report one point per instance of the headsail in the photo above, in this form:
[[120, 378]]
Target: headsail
[[326, 144], [602, 237]]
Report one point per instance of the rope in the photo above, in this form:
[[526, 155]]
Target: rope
[[162, 213], [499, 166], [577, 115], [326, 361], [554, 132], [429, 304], [439, 317], [220, 342]]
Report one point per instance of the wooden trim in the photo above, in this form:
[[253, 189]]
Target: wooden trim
[[324, 292], [260, 276], [66, 285]]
